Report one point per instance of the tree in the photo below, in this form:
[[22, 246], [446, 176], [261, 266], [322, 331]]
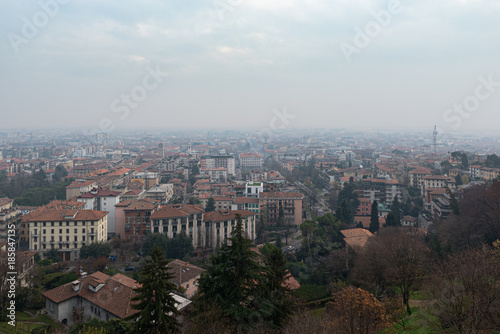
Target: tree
[[53, 255], [280, 293], [307, 229], [194, 200], [59, 173], [356, 311], [210, 205], [95, 250], [396, 208], [392, 220], [348, 203], [180, 246], [281, 216], [374, 223], [466, 288], [235, 282], [394, 258], [156, 303]]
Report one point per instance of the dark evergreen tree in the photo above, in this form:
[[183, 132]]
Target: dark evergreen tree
[[281, 216], [235, 282], [156, 305], [374, 222], [392, 220], [180, 246], [276, 279], [210, 205], [396, 208]]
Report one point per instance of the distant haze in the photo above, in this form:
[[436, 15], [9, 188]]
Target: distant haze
[[237, 63]]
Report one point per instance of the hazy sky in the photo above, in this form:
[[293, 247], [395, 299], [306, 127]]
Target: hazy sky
[[332, 63]]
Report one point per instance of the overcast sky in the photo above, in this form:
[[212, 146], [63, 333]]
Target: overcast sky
[[238, 63]]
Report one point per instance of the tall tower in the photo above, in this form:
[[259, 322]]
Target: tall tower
[[190, 150], [434, 138]]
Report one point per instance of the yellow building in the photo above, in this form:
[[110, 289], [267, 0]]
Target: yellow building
[[67, 231]]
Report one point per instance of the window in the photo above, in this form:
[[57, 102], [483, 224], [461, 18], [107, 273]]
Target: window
[[43, 231], [60, 231], [76, 230], [67, 230], [52, 231]]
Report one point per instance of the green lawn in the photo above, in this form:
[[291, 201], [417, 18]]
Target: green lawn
[[419, 322], [25, 323]]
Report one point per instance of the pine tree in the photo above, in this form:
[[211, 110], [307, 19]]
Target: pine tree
[[280, 294], [210, 205], [396, 208], [374, 222], [234, 282], [156, 305]]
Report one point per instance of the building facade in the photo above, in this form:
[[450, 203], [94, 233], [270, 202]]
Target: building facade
[[67, 231]]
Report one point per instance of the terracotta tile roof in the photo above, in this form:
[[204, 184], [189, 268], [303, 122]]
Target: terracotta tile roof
[[142, 204], [65, 215], [291, 282], [243, 200], [249, 155], [184, 271], [113, 297], [366, 220], [168, 212], [223, 198], [280, 194], [438, 177], [226, 215], [356, 238], [5, 200]]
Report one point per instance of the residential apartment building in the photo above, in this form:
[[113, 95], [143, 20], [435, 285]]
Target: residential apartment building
[[134, 218], [253, 189], [163, 193], [148, 179], [215, 161], [475, 172], [290, 202], [66, 231], [9, 215], [174, 219], [489, 174], [220, 224], [251, 160], [102, 200], [218, 174], [438, 181], [220, 202], [417, 176], [76, 188], [380, 190], [246, 203]]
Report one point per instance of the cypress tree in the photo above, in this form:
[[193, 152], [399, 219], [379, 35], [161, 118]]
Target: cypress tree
[[374, 222]]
